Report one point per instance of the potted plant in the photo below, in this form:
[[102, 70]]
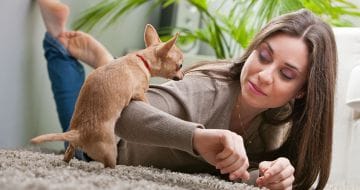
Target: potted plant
[[225, 32]]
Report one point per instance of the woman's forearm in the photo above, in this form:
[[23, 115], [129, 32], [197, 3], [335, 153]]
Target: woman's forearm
[[145, 124]]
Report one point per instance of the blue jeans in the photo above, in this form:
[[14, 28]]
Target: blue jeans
[[67, 76]]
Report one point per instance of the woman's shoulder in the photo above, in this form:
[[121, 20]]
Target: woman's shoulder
[[219, 70], [204, 76], [201, 84]]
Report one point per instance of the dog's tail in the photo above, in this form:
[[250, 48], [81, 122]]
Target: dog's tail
[[70, 136]]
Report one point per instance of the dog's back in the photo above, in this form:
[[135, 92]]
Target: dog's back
[[110, 88]]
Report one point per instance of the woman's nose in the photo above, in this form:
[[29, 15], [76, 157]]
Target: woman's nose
[[266, 76]]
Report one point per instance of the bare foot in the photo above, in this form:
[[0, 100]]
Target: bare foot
[[55, 15], [84, 47]]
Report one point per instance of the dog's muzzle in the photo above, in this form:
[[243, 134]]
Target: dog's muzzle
[[176, 78], [179, 76]]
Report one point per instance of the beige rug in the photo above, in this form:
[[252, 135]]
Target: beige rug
[[34, 170]]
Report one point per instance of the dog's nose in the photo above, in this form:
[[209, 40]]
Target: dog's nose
[[176, 78]]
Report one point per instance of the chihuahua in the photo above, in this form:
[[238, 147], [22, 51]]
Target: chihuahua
[[110, 88]]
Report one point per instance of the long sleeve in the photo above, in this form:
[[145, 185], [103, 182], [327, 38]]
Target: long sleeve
[[160, 134], [176, 109], [145, 124]]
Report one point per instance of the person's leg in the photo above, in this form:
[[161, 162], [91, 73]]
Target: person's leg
[[55, 15], [66, 76], [66, 73], [61, 48], [80, 45]]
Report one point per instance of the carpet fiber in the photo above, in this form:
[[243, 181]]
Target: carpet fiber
[[34, 169]]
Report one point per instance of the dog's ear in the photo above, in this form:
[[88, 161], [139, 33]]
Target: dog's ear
[[151, 37], [165, 48]]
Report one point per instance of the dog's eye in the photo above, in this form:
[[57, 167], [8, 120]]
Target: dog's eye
[[179, 67]]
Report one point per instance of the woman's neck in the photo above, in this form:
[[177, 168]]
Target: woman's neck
[[244, 112]]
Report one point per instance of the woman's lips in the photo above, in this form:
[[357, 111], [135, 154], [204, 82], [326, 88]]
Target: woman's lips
[[256, 90]]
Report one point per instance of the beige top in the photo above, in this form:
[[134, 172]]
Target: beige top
[[160, 134]]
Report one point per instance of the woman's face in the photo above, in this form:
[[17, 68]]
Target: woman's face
[[275, 72]]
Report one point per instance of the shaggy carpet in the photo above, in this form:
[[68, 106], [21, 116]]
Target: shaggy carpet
[[34, 169]]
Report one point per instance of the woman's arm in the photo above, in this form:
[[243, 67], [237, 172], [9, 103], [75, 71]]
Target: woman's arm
[[166, 120], [146, 124], [166, 123]]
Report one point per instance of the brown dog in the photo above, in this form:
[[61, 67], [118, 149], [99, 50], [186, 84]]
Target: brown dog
[[110, 88]]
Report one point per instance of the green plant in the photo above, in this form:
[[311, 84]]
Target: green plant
[[225, 32]]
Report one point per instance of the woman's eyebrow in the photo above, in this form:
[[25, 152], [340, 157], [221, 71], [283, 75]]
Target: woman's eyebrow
[[269, 46], [292, 66], [286, 63]]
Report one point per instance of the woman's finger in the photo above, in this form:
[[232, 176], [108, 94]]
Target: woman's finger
[[276, 173], [242, 161], [263, 166], [227, 162], [276, 167], [284, 184], [227, 142], [286, 173], [234, 156], [239, 162], [240, 173]]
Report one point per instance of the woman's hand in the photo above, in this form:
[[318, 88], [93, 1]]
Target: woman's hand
[[277, 174], [223, 149]]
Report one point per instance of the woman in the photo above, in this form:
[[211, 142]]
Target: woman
[[271, 110]]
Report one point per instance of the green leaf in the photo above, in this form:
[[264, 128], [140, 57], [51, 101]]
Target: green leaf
[[224, 31]]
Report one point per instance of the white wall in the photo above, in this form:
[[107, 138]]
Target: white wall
[[346, 145], [13, 74]]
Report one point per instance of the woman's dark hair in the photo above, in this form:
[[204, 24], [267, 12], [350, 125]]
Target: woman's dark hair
[[309, 143]]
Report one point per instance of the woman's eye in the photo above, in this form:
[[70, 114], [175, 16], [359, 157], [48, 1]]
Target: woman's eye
[[287, 74], [264, 56]]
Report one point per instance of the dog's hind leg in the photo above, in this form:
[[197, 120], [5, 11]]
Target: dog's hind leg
[[69, 153]]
